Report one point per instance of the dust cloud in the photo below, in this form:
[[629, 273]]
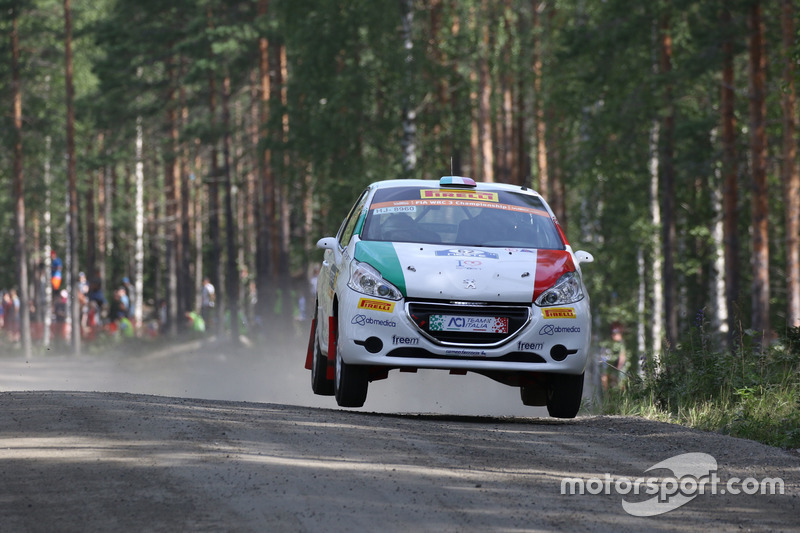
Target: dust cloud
[[263, 371]]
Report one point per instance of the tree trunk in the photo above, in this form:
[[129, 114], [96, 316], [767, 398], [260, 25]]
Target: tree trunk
[[265, 273], [442, 148], [213, 190], [185, 264], [19, 195], [558, 190], [198, 207], [308, 248], [91, 219], [75, 310], [790, 174], [279, 194], [105, 224], [758, 153], [48, 241], [99, 268], [667, 175], [137, 298], [485, 102], [287, 305], [409, 114], [730, 176], [506, 144], [641, 309], [231, 275], [520, 171], [543, 185], [716, 293], [474, 133], [254, 203], [155, 210], [455, 90], [172, 198], [241, 197], [656, 332]]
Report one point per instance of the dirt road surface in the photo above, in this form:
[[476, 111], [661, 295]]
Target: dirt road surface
[[211, 439]]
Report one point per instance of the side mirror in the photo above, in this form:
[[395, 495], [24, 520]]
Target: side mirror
[[328, 243], [581, 256]]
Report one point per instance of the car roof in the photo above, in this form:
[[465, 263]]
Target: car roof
[[480, 186]]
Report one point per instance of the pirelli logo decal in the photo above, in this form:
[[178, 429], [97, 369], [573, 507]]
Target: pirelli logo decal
[[428, 194], [375, 305], [559, 312]]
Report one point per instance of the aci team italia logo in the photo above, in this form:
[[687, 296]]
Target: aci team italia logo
[[375, 305], [559, 312]]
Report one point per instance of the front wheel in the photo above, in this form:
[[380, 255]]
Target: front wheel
[[564, 393], [350, 382]]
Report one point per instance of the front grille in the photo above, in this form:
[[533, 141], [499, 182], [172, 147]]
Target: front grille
[[420, 313]]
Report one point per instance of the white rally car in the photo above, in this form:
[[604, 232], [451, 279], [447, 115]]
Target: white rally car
[[453, 275]]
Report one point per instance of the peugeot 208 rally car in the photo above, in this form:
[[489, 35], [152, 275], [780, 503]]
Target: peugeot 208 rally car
[[452, 275]]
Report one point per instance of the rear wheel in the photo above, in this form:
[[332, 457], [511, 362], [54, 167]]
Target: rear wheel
[[564, 393], [320, 383], [350, 382]]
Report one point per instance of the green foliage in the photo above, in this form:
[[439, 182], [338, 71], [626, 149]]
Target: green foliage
[[743, 393], [345, 96], [349, 81]]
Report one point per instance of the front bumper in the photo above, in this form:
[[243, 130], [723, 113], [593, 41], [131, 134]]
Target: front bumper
[[395, 334]]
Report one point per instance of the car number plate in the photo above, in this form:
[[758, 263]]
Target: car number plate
[[472, 324]]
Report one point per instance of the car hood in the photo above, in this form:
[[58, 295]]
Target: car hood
[[466, 273]]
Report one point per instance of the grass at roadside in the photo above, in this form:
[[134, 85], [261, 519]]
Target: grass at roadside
[[743, 393]]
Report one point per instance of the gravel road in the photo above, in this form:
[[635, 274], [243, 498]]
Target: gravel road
[[209, 439]]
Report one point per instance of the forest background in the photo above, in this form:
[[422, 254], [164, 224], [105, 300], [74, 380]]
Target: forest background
[[168, 141]]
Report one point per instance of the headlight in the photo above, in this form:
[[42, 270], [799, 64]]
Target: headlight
[[367, 280], [566, 290]]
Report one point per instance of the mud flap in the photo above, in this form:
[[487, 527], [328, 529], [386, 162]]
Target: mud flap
[[332, 334], [310, 352]]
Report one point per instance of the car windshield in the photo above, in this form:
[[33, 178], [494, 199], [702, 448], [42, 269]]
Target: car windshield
[[460, 217]]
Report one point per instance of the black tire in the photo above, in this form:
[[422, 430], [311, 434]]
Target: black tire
[[564, 393], [320, 383], [533, 396], [350, 382]]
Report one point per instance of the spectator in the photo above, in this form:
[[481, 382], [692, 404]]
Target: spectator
[[163, 316], [83, 300], [125, 300], [97, 304], [207, 300], [130, 290], [617, 364], [83, 285], [60, 311], [117, 308], [56, 266], [15, 314], [11, 314]]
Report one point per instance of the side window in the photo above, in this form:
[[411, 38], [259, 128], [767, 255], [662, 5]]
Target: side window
[[349, 226]]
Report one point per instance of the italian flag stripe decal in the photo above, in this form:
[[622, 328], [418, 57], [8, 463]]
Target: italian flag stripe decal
[[383, 257], [550, 265]]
